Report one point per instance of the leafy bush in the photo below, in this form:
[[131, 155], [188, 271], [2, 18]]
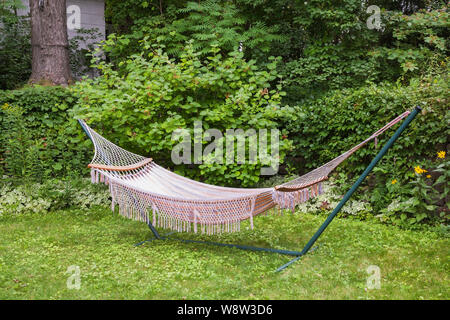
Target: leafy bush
[[420, 198], [332, 195], [208, 23], [420, 39], [322, 129], [140, 105], [340, 51], [15, 46], [227, 24], [334, 54], [19, 149], [39, 138], [51, 195]]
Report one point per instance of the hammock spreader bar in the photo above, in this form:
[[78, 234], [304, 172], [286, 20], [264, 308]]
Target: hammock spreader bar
[[307, 248], [152, 228]]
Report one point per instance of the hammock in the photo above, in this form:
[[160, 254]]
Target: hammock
[[147, 192]]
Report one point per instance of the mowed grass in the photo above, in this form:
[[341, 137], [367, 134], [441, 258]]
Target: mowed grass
[[37, 250]]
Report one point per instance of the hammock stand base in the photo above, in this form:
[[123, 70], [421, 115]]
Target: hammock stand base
[[229, 245], [306, 249], [297, 254]]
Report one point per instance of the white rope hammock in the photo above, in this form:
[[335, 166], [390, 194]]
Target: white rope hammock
[[147, 192]]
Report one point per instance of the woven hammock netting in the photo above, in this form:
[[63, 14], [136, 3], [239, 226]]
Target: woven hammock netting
[[147, 192]]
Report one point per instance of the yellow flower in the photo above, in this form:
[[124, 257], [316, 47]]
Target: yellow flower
[[394, 181], [441, 154], [428, 176], [419, 170]]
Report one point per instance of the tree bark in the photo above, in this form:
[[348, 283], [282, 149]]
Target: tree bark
[[50, 45]]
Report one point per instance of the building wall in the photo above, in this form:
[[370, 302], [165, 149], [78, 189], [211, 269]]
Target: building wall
[[86, 14]]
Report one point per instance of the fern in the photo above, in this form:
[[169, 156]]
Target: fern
[[214, 22]]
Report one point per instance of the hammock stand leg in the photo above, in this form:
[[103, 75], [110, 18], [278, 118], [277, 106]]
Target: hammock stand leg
[[150, 240], [155, 233], [349, 193]]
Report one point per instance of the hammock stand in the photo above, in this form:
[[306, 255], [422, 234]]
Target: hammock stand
[[308, 246]]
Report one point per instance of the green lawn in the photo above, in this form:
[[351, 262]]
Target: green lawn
[[36, 251]]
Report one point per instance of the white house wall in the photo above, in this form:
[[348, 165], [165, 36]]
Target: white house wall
[[92, 16]]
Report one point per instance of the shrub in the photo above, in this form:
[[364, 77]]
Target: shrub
[[420, 40], [422, 198], [19, 149], [39, 138], [340, 51], [15, 47], [51, 195], [324, 128], [143, 103], [224, 24]]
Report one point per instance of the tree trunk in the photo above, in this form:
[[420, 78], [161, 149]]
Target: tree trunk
[[50, 45]]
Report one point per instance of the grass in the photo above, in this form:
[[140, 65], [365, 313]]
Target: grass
[[36, 251]]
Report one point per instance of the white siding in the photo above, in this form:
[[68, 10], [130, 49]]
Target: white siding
[[92, 16]]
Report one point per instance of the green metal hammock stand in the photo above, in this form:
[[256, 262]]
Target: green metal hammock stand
[[134, 195]]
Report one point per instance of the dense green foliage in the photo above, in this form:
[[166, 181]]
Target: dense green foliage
[[15, 46], [321, 129], [141, 104], [323, 44], [211, 22], [324, 128], [313, 69], [340, 50], [39, 138], [52, 194]]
